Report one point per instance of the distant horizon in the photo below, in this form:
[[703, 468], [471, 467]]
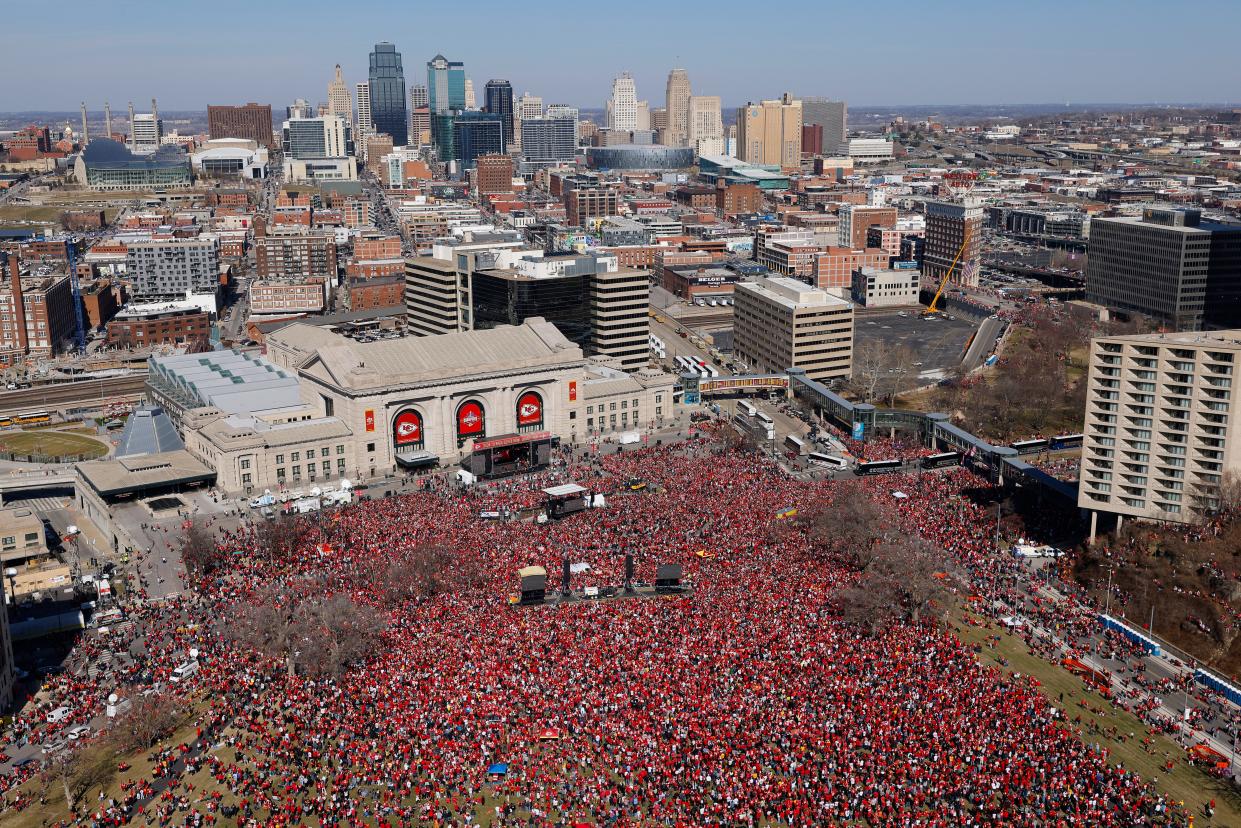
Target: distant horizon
[[1107, 51]]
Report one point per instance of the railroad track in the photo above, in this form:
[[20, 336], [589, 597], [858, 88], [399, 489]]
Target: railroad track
[[61, 394]]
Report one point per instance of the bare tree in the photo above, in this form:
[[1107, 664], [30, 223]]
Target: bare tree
[[201, 554], [79, 770], [428, 570], [282, 536], [906, 579], [150, 720], [845, 527]]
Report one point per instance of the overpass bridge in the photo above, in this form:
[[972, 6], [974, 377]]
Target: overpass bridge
[[37, 481]]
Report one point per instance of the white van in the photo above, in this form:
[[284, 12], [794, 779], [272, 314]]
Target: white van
[[184, 671]]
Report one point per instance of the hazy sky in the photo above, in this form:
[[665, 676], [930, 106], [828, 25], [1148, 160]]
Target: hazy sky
[[189, 54]]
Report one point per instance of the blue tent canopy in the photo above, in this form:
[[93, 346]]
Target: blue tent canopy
[[499, 769]]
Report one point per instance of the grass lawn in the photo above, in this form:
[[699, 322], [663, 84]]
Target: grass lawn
[[30, 213], [1186, 782], [52, 444]]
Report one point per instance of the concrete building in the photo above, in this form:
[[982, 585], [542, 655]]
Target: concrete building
[[769, 133], [1169, 265], [230, 158], [286, 296], [866, 150], [622, 107], [438, 297], [948, 227], [109, 165], [339, 103], [146, 132], [619, 322], [547, 141], [1160, 429], [832, 117], [876, 288], [365, 125], [314, 138], [782, 323], [677, 100], [168, 269], [582, 204], [706, 127], [311, 170], [251, 122], [159, 323]]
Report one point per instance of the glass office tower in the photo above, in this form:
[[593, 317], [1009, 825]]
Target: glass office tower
[[387, 87]]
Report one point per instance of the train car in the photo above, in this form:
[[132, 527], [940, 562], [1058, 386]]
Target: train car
[[942, 460], [33, 418], [1066, 441], [1031, 446], [878, 467]]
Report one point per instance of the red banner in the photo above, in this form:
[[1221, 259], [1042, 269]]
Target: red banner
[[470, 419], [370, 419], [407, 428], [529, 409], [572, 390]]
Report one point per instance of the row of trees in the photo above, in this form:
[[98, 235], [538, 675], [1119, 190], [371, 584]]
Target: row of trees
[[899, 577]]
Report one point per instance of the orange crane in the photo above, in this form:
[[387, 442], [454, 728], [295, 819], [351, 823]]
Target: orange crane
[[933, 308]]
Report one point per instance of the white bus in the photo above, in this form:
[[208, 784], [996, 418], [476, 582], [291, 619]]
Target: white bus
[[747, 407], [829, 460]]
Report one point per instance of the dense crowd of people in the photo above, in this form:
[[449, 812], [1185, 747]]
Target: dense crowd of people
[[747, 701]]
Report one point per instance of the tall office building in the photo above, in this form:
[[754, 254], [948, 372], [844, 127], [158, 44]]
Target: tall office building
[[833, 116], [1161, 431], [365, 124], [438, 297], [326, 137], [470, 101], [146, 131], [252, 122], [387, 91], [678, 102], [948, 227], [564, 111], [300, 108], [548, 141], [622, 107], [476, 134], [620, 324], [418, 97], [498, 100], [769, 133], [781, 323], [529, 106], [445, 85], [338, 101], [1169, 265], [706, 125], [419, 115]]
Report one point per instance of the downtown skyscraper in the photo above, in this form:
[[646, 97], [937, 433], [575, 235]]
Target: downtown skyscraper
[[339, 102], [622, 107], [677, 104], [387, 93], [498, 100]]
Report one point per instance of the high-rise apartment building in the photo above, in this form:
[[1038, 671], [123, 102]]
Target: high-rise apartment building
[[1161, 432], [705, 125], [769, 133], [582, 204], [833, 116], [620, 325], [855, 219], [949, 226], [365, 125], [622, 107], [338, 101], [498, 100], [294, 252], [678, 103], [252, 122], [781, 323], [387, 93], [471, 102], [170, 268], [445, 85], [37, 311], [1169, 265]]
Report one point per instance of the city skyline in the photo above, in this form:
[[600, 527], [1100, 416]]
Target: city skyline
[[1057, 52]]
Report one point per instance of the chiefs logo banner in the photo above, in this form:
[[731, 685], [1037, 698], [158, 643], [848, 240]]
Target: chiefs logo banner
[[407, 428], [370, 419], [469, 419], [529, 409]]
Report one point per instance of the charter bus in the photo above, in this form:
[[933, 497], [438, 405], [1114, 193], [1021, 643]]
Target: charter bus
[[795, 445], [1066, 441], [1031, 446], [747, 407], [829, 460], [878, 467], [942, 460]]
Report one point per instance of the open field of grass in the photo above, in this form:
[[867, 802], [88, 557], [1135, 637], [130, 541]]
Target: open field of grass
[[1186, 783], [51, 443]]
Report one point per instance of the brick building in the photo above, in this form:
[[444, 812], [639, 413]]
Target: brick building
[[737, 199], [356, 212], [170, 323], [37, 312], [856, 219], [287, 297], [379, 292], [833, 267], [585, 203], [252, 122], [101, 300], [495, 174], [290, 253]]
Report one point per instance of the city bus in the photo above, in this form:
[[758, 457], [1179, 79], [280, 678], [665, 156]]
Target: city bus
[[747, 407], [1031, 446], [1066, 441]]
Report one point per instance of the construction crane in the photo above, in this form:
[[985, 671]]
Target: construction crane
[[933, 308]]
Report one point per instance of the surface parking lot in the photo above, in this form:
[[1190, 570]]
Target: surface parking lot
[[938, 343]]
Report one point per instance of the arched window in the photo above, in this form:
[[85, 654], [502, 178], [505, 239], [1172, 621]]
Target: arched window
[[471, 421], [407, 431], [529, 412]]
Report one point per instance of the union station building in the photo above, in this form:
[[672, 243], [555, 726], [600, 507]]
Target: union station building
[[494, 401]]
